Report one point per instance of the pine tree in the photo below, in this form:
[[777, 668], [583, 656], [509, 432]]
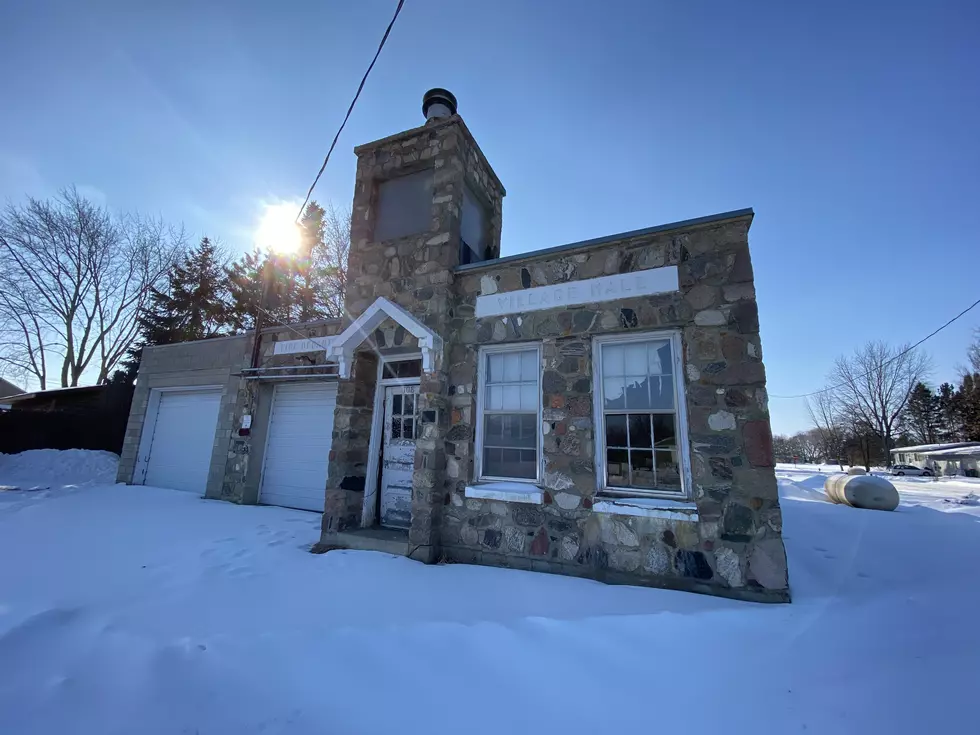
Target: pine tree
[[193, 306], [247, 291], [922, 415], [968, 405], [302, 286], [950, 424]]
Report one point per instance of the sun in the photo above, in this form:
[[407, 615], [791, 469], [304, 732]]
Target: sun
[[278, 231]]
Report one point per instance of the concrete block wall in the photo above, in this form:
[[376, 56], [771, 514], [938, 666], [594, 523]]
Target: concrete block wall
[[214, 362]]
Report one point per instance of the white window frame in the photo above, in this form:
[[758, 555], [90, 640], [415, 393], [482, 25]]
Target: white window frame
[[481, 372], [680, 413]]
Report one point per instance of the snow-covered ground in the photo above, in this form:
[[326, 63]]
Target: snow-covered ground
[[145, 610]]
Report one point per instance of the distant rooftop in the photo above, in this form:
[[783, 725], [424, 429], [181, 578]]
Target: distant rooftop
[[933, 448]]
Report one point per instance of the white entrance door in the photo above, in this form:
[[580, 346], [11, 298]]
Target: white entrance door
[[297, 450], [398, 455], [179, 450]]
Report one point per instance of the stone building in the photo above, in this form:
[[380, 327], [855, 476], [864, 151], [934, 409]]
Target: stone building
[[595, 409]]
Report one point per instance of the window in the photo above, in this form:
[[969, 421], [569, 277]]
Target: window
[[403, 416], [637, 399], [402, 369], [404, 206], [472, 230], [508, 410]]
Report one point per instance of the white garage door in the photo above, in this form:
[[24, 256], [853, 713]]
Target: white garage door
[[297, 450], [183, 439]]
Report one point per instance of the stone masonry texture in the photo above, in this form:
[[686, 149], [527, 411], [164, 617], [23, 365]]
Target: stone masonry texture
[[733, 548], [733, 544]]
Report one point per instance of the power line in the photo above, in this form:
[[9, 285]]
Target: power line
[[900, 354], [350, 109]]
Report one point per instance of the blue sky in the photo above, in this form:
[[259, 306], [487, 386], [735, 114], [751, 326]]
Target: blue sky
[[850, 128]]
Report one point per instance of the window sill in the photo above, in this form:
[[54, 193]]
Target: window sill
[[673, 510], [508, 492]]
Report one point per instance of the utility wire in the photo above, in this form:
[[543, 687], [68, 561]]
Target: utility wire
[[350, 109], [900, 354]]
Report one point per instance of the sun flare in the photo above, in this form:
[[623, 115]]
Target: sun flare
[[278, 232]]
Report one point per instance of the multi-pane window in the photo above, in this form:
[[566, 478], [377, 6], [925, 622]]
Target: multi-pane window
[[510, 398], [638, 400], [404, 206], [403, 416]]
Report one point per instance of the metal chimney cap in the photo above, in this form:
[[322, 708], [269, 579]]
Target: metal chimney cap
[[438, 96]]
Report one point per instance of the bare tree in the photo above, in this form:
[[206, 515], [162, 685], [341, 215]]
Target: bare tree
[[830, 425], [73, 281], [872, 387], [973, 351], [330, 260]]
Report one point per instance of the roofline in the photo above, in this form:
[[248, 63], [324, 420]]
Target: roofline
[[250, 332], [429, 126], [608, 239], [924, 448], [198, 341], [49, 391]]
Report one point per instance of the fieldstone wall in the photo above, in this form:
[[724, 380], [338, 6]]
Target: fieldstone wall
[[734, 547], [727, 542], [241, 479], [417, 273]]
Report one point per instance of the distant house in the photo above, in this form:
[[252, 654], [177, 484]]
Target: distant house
[[957, 458], [8, 389]]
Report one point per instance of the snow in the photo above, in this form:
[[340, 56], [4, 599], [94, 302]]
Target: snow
[[40, 469], [138, 609]]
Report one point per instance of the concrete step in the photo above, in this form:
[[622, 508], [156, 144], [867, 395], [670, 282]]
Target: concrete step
[[389, 540]]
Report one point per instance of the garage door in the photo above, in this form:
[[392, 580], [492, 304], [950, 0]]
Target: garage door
[[297, 450], [183, 439]]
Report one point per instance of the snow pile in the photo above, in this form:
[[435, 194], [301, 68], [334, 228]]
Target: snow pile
[[44, 468], [132, 609]]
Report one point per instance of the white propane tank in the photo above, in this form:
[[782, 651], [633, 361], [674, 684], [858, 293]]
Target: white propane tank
[[861, 491]]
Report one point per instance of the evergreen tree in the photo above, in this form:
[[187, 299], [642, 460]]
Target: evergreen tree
[[968, 406], [947, 406], [922, 416], [248, 292], [193, 306], [302, 286]]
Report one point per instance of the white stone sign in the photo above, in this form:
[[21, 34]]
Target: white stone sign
[[576, 293], [301, 345]]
